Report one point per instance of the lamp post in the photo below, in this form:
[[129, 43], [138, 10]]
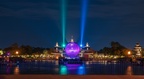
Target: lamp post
[[17, 52], [129, 53]]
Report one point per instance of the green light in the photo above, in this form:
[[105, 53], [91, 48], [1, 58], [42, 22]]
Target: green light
[[63, 70], [63, 45], [63, 17]]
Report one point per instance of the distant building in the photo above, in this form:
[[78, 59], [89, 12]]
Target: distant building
[[138, 50], [88, 52], [85, 51], [57, 51]]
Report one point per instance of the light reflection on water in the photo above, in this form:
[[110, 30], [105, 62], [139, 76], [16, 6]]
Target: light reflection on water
[[129, 70], [56, 63], [88, 68], [63, 70], [72, 69], [8, 70], [16, 70], [81, 70]]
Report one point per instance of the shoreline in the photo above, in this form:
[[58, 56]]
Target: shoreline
[[72, 76]]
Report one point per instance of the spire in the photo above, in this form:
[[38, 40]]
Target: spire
[[57, 44], [87, 45], [72, 40], [137, 44]]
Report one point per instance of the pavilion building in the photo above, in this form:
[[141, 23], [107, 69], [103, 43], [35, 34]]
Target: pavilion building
[[138, 50], [85, 52]]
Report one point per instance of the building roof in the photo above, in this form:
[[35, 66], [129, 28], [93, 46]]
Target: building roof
[[55, 51], [89, 51]]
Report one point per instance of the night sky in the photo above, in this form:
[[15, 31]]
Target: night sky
[[38, 22]]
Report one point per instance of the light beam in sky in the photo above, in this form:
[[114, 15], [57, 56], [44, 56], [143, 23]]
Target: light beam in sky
[[83, 20], [63, 20]]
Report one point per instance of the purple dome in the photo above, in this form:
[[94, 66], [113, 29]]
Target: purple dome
[[72, 49]]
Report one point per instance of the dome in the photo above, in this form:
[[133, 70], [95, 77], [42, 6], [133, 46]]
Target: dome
[[72, 49]]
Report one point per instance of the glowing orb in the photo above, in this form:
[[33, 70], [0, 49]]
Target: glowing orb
[[72, 50]]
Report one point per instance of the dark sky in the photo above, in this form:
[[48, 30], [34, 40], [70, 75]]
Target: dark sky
[[38, 22]]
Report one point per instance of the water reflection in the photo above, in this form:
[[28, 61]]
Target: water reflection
[[87, 62], [72, 69], [8, 70], [129, 70], [56, 62], [81, 70], [63, 70], [97, 68], [16, 70]]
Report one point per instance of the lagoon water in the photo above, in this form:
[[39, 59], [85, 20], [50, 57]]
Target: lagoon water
[[88, 68]]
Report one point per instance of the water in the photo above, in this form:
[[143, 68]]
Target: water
[[88, 68]]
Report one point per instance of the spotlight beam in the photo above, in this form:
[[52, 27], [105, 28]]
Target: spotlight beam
[[63, 17], [83, 19]]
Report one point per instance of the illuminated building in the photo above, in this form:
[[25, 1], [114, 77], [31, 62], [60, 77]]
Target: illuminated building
[[73, 51], [57, 52], [138, 50]]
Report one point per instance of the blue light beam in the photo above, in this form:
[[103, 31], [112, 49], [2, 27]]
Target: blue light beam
[[83, 19]]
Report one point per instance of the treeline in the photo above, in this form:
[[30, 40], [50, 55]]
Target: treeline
[[115, 49], [26, 49]]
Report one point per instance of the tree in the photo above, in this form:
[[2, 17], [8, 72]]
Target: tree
[[26, 50], [115, 49], [38, 50], [106, 50]]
